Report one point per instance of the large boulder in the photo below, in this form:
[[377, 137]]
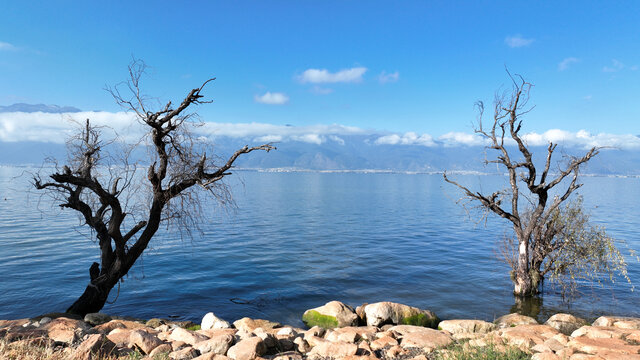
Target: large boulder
[[218, 344], [95, 346], [466, 326], [186, 336], [333, 350], [144, 340], [618, 321], [331, 315], [565, 323], [386, 312], [211, 321], [247, 349], [248, 324], [421, 337], [514, 319], [65, 330]]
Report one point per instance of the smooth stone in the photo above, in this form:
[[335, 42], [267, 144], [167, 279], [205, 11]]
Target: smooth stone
[[211, 321]]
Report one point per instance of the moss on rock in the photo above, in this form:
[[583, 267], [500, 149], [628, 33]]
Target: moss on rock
[[313, 318], [421, 320]]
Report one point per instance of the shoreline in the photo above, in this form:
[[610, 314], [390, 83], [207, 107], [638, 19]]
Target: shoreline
[[383, 330]]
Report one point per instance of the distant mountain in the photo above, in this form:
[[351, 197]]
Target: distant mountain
[[357, 152], [31, 108]]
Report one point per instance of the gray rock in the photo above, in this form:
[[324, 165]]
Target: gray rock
[[97, 318]]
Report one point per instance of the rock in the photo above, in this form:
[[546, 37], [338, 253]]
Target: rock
[[159, 350], [289, 355], [362, 317], [144, 341], [594, 346], [545, 356], [330, 315], [618, 321], [286, 331], [385, 312], [95, 346], [315, 340], [301, 345], [65, 330], [315, 331], [383, 342], [155, 322], [248, 324], [177, 345], [120, 337], [352, 334], [466, 326], [211, 356], [565, 323], [268, 339], [247, 349], [186, 336], [527, 336], [218, 344], [187, 353], [217, 332], [605, 332], [96, 318], [425, 338], [515, 319], [285, 345], [117, 324], [333, 350], [211, 321]]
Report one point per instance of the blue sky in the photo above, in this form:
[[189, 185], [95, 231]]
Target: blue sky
[[393, 66]]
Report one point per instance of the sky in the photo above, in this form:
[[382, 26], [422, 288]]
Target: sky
[[410, 67]]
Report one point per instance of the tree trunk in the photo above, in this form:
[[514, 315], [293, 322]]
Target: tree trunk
[[523, 283], [95, 294]]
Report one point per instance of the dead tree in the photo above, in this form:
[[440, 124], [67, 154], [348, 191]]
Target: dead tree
[[532, 227], [125, 218]]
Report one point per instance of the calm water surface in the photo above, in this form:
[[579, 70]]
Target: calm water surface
[[296, 241]]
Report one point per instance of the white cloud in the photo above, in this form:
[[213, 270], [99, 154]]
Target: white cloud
[[384, 78], [319, 76], [46, 127], [409, 138], [460, 138], [517, 41], [582, 139], [615, 66], [564, 64], [5, 46], [272, 98]]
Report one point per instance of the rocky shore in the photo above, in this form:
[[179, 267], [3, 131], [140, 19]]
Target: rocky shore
[[382, 330]]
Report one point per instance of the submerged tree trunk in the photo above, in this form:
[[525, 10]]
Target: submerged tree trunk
[[523, 283]]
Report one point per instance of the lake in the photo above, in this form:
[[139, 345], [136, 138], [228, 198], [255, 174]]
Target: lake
[[297, 240]]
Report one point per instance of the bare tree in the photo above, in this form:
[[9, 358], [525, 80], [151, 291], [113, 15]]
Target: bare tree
[[533, 226], [124, 218]]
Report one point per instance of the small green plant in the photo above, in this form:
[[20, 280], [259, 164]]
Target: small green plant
[[462, 351], [194, 328]]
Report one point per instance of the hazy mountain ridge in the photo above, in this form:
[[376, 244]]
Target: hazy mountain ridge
[[31, 108], [358, 152]]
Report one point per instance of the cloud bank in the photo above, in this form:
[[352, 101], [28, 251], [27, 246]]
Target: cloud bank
[[48, 127], [319, 76]]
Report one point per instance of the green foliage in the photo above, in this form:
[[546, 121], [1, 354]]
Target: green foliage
[[420, 320], [194, 327], [489, 352], [313, 318], [582, 252]]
